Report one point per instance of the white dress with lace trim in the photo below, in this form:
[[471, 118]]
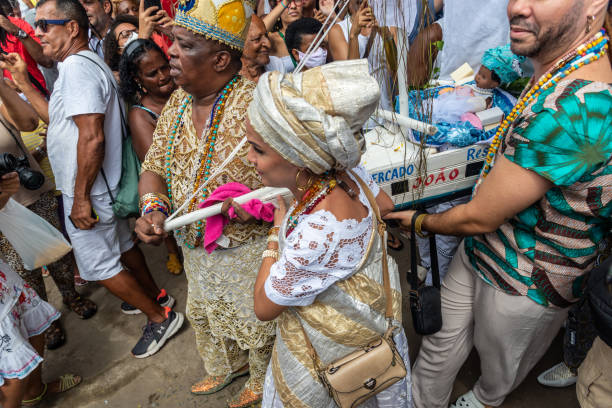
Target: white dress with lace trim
[[319, 252]]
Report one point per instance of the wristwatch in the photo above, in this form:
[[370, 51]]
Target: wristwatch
[[22, 35]]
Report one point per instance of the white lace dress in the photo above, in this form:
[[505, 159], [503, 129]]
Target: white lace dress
[[302, 274]]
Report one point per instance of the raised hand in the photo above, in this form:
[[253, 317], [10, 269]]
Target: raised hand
[[14, 64]]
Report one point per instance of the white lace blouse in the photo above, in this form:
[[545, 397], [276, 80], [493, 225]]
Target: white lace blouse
[[320, 251]]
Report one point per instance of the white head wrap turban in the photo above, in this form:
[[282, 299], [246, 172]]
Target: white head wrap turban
[[314, 119]]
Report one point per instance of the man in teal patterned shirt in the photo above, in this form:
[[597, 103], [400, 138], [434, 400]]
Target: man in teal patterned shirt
[[537, 222]]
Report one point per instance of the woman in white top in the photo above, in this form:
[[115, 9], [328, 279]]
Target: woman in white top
[[305, 134], [284, 12], [351, 25]]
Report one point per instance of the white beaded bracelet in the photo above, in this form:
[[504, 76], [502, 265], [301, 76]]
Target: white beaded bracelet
[[270, 253]]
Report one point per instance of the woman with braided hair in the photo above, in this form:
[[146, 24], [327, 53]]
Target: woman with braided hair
[[146, 84]]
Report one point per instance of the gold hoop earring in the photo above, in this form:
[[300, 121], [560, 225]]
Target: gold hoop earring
[[589, 25], [297, 182]]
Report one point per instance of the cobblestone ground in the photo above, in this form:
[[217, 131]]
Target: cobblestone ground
[[99, 350]]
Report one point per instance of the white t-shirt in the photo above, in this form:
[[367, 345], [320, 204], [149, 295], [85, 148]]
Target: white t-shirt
[[488, 28], [82, 88]]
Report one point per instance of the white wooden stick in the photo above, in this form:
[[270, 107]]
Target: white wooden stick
[[408, 122], [218, 170], [264, 194]]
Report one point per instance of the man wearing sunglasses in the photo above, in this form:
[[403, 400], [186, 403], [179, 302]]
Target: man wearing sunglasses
[[16, 35], [84, 144]]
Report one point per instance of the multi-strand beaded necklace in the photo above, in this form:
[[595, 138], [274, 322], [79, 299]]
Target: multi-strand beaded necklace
[[586, 53], [203, 171], [313, 196]]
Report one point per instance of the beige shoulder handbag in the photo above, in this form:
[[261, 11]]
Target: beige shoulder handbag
[[376, 366]]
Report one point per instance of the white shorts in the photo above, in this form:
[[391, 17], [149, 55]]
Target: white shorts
[[98, 250]]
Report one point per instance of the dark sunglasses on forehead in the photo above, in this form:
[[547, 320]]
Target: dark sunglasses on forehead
[[43, 24]]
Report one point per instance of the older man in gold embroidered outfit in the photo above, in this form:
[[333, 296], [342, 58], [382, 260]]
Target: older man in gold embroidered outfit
[[202, 123]]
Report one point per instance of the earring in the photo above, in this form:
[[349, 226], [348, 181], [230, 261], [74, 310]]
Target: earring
[[297, 182], [590, 20]]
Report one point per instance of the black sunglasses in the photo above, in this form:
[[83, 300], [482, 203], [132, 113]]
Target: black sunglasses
[[43, 24]]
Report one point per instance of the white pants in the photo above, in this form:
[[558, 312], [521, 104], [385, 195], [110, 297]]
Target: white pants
[[510, 333]]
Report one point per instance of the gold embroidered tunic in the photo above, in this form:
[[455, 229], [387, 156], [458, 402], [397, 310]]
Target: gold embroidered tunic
[[188, 151], [220, 284]]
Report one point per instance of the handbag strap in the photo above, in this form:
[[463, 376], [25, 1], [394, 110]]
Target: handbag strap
[[381, 227], [433, 254]]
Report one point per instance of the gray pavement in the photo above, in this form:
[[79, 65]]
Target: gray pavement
[[99, 350]]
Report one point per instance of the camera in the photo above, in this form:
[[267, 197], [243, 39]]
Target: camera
[[30, 179]]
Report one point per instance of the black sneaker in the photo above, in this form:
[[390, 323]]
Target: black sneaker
[[156, 334], [164, 300]]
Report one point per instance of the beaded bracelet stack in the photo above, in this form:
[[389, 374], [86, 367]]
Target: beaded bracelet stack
[[154, 202]]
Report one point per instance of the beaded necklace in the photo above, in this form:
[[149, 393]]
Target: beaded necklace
[[481, 91], [586, 53], [313, 196], [203, 172]]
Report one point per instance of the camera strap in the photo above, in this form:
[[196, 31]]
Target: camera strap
[[10, 130]]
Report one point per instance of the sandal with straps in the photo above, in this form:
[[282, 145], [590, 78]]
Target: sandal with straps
[[35, 401], [212, 384], [83, 307], [66, 382]]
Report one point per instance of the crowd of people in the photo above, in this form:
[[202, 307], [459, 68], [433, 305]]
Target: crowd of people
[[209, 100]]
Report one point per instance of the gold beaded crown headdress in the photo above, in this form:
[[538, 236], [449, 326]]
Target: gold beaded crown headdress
[[226, 21]]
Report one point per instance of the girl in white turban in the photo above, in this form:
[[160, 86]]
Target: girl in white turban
[[322, 267]]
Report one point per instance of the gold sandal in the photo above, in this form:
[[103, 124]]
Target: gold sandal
[[68, 381], [212, 384], [173, 264], [246, 398]]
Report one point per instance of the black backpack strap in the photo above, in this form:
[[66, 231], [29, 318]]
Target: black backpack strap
[[414, 276], [433, 255]]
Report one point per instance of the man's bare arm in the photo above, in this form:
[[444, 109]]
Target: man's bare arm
[[507, 190], [90, 156]]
